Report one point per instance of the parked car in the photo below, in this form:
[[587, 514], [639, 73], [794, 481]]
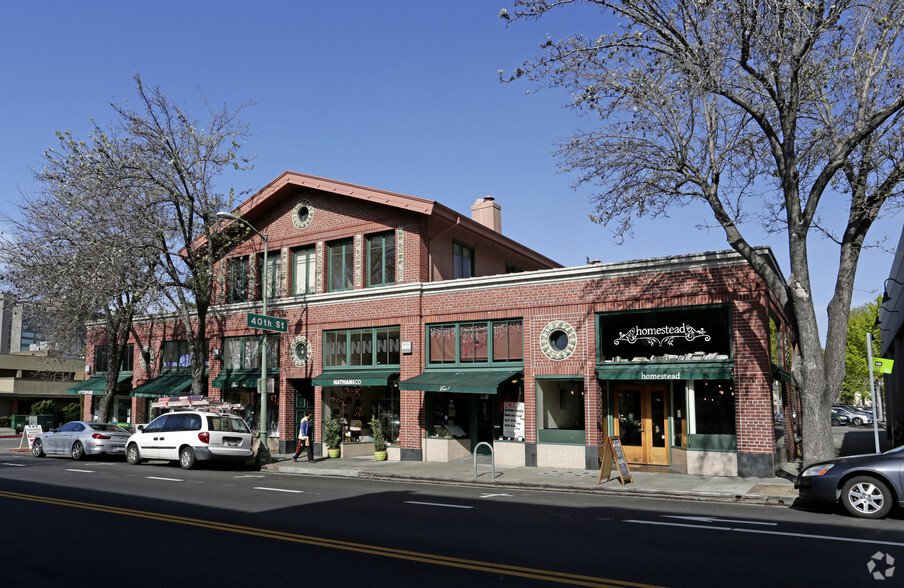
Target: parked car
[[81, 438], [839, 418], [867, 485], [857, 417], [189, 437]]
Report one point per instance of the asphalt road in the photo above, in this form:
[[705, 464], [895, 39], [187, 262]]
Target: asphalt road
[[149, 525]]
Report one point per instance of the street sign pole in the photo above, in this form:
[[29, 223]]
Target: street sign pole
[[872, 387]]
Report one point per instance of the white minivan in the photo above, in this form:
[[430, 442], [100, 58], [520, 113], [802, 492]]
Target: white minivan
[[189, 437]]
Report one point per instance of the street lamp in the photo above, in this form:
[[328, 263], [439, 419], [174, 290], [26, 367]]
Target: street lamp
[[263, 452]]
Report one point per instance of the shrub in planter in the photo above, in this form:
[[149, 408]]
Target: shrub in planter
[[376, 429], [332, 433]]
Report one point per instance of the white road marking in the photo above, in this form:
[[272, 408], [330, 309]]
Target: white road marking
[[437, 504], [764, 532], [493, 495], [279, 490], [250, 476], [81, 471], [714, 520], [17, 465], [164, 479]]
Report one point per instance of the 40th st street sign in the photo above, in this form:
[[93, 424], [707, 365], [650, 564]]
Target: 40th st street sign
[[268, 323]]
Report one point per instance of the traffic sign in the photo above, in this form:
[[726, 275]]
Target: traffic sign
[[883, 366], [268, 323]]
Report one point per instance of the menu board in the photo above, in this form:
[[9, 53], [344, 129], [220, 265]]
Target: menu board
[[611, 453], [513, 420]]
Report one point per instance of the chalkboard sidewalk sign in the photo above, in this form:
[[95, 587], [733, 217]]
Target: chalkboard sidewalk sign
[[609, 452]]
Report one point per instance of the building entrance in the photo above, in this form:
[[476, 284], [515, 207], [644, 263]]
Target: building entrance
[[641, 423]]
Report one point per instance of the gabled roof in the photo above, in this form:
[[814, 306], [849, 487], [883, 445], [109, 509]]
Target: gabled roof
[[290, 180]]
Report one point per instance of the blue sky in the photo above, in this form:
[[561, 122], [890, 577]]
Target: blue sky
[[398, 95]]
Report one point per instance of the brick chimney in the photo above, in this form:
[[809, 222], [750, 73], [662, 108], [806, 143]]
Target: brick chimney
[[488, 213]]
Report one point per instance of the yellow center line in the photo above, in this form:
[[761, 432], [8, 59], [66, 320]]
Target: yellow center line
[[442, 560]]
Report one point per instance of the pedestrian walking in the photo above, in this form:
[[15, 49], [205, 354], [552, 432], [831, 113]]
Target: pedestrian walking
[[305, 434]]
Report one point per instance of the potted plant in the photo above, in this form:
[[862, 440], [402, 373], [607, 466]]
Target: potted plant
[[332, 435], [376, 430]]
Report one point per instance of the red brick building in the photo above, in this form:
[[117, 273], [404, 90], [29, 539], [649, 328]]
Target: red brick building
[[451, 335]]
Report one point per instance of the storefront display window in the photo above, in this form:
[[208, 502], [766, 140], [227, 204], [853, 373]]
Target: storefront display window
[[560, 411], [714, 404], [355, 406]]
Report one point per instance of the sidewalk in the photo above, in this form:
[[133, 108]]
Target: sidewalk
[[773, 491]]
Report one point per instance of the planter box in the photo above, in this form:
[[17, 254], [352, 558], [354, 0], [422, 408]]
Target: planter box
[[357, 449], [446, 450]]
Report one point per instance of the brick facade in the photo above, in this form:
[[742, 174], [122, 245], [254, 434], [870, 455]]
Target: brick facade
[[420, 297]]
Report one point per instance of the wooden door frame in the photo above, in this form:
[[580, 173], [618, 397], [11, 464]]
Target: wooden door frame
[[646, 453]]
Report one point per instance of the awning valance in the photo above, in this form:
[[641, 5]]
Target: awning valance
[[166, 384], [356, 377], [241, 378], [472, 381], [95, 385], [665, 370]]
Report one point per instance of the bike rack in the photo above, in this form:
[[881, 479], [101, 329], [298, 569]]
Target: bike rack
[[492, 458]]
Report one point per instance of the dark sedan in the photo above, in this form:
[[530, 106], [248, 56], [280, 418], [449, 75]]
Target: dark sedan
[[867, 485]]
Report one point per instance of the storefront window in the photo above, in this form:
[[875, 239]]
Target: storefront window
[[714, 403], [355, 406], [560, 411]]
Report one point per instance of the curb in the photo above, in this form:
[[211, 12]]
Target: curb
[[723, 497]]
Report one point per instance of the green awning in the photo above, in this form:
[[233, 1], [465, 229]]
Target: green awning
[[355, 377], [473, 381], [782, 375], [95, 385], [167, 384], [665, 370], [241, 378]]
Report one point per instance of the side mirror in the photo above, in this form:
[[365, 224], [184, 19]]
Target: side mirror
[[140, 428]]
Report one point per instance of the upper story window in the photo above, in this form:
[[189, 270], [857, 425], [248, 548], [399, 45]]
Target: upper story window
[[342, 265], [462, 260], [245, 352], [381, 259], [378, 346], [176, 355], [475, 342], [304, 268], [100, 358], [237, 280], [274, 274]]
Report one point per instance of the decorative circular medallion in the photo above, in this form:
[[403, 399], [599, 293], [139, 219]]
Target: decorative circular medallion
[[302, 214], [300, 351], [558, 340]]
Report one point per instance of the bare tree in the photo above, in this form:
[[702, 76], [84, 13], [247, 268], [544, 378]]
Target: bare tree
[[766, 110], [177, 159], [74, 254]]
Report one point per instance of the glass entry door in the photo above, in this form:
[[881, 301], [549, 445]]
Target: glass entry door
[[641, 423]]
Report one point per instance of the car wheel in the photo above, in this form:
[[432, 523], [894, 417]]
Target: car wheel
[[857, 421], [37, 448], [187, 458], [78, 452], [133, 456], [836, 422], [866, 497]]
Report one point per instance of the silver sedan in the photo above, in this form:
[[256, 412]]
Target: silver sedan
[[81, 438]]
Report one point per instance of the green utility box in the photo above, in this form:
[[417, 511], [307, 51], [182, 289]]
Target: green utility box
[[17, 422]]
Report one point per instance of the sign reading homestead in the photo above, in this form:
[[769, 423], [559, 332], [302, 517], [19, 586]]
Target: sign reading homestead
[[268, 323]]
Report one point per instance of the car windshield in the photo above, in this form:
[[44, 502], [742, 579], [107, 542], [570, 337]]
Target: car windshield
[[107, 428], [229, 424]]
